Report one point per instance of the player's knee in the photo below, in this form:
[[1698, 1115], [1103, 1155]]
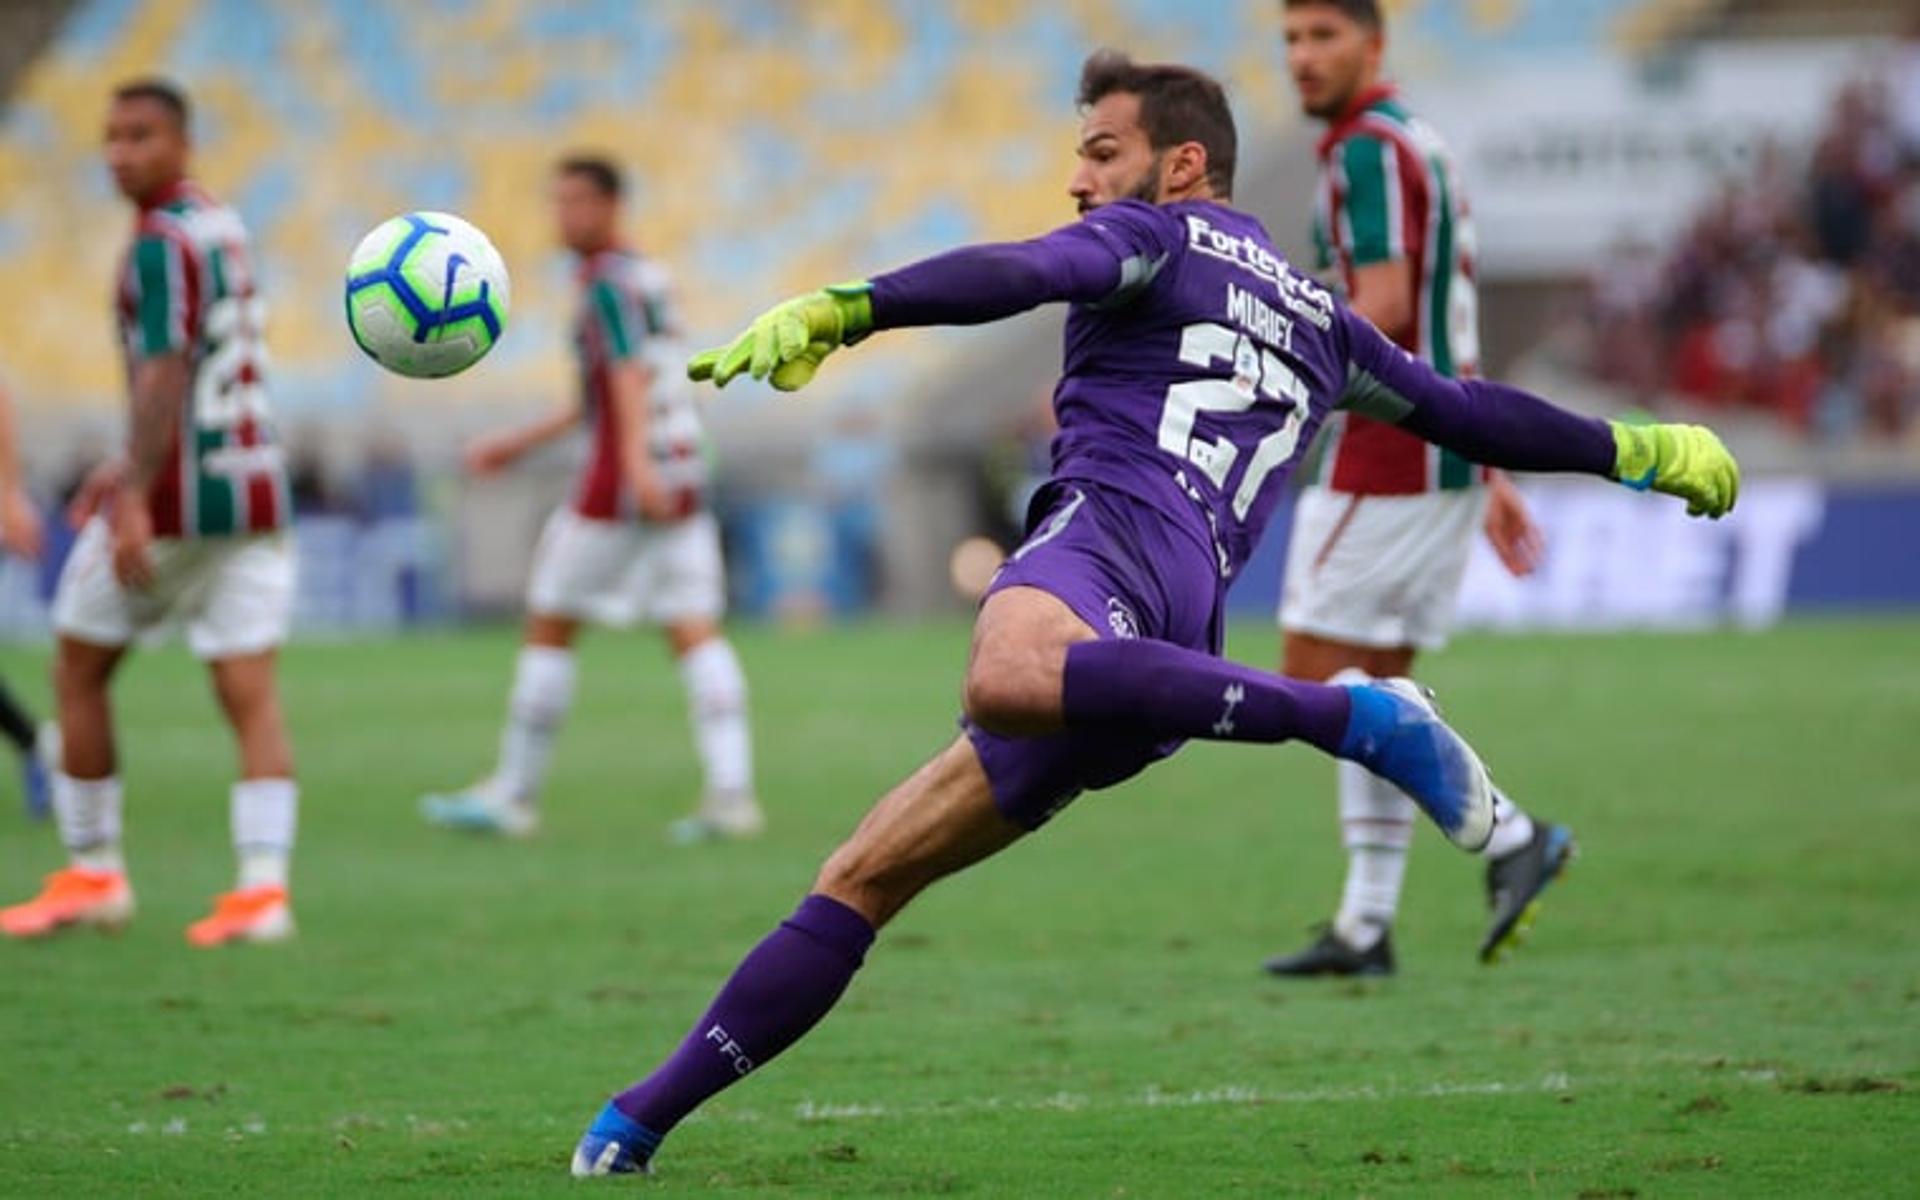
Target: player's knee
[[1000, 700], [856, 879], [79, 675]]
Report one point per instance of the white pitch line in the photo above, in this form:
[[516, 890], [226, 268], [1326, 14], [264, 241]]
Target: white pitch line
[[810, 1111], [1224, 1095]]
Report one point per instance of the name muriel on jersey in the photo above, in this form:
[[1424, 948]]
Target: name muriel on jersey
[[1301, 296], [1252, 314]]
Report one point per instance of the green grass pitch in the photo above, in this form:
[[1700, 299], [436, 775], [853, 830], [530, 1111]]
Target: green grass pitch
[[1724, 997]]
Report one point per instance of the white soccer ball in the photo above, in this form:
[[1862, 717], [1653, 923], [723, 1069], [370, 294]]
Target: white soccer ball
[[426, 295]]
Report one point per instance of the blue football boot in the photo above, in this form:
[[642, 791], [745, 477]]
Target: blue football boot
[[614, 1145], [1396, 732]]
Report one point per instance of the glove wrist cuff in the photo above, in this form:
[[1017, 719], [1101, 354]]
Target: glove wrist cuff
[[1636, 455], [855, 302]]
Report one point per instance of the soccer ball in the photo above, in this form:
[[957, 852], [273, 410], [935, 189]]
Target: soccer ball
[[426, 295]]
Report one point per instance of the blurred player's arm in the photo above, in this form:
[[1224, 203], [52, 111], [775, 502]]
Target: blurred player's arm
[[502, 448], [1108, 257], [1372, 199], [160, 383], [1383, 294], [19, 520], [1504, 426], [631, 382], [1516, 540]]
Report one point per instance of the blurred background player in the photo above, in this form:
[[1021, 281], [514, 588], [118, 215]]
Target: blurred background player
[[19, 534], [1384, 526], [637, 540], [193, 530]]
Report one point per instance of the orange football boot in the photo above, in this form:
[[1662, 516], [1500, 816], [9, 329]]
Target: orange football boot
[[255, 914], [73, 896]]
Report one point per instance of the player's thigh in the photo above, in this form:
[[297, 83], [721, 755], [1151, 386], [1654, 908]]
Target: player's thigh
[[582, 569], [241, 601], [1016, 666], [1434, 591], [680, 577], [1318, 659], [942, 819], [90, 606]]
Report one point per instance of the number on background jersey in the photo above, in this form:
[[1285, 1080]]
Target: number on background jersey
[[1257, 373], [221, 398]]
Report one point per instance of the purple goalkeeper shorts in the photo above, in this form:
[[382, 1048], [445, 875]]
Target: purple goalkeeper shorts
[[1129, 571]]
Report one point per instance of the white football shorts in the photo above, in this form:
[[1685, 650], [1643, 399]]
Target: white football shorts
[[620, 572], [1378, 571], [234, 595]]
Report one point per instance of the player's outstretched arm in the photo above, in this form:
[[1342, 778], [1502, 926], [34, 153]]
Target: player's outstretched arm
[[502, 448], [1109, 255], [1503, 426]]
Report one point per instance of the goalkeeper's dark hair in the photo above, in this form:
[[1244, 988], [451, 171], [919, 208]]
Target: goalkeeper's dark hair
[[596, 169], [164, 92], [1177, 104], [1366, 13]]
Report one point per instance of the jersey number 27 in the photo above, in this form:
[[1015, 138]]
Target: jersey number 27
[[1257, 373]]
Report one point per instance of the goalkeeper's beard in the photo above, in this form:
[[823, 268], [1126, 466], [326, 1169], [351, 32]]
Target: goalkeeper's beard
[[1148, 189]]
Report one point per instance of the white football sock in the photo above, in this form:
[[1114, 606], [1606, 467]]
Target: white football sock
[[88, 811], [542, 694], [717, 703], [1512, 827], [1376, 825], [264, 814]]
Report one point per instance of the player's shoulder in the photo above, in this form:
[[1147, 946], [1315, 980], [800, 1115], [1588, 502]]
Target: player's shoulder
[[1390, 120], [190, 215], [1138, 221], [626, 270], [1383, 120]]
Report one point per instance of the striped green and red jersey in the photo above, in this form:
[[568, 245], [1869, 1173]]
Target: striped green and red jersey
[[626, 316], [1388, 193], [187, 287]]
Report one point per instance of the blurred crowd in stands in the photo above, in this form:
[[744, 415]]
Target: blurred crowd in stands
[[1796, 290]]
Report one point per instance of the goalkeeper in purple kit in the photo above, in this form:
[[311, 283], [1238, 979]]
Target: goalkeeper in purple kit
[[1197, 367]]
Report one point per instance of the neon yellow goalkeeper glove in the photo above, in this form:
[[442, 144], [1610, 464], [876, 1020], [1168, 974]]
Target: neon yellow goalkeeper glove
[[1688, 461], [786, 344]]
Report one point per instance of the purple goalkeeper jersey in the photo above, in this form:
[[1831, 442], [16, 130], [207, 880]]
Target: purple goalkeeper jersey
[[1198, 364], [1199, 383]]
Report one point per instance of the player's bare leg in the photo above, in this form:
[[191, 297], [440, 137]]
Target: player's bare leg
[[264, 806], [508, 801], [1376, 824], [93, 889], [1017, 665], [717, 709], [941, 820]]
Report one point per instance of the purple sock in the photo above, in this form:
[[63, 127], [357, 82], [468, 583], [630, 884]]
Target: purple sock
[[1165, 691], [777, 993]]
